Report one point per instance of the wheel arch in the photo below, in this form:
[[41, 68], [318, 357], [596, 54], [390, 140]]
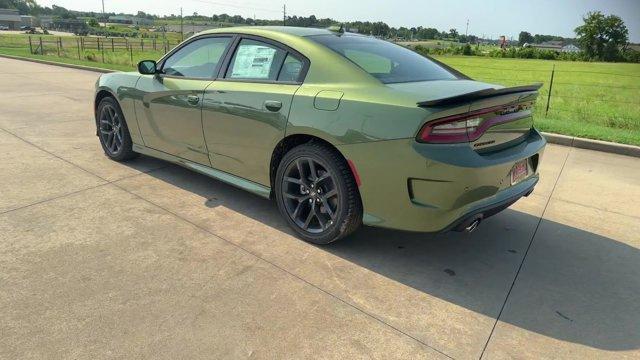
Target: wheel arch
[[291, 141], [100, 95]]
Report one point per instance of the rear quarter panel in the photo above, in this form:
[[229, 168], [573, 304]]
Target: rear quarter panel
[[364, 113]]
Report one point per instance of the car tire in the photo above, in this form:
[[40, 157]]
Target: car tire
[[317, 194], [113, 132]]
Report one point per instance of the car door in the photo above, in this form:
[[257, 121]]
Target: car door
[[170, 113], [245, 111]]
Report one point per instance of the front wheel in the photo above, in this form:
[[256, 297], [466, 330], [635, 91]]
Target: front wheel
[[113, 131], [317, 194]]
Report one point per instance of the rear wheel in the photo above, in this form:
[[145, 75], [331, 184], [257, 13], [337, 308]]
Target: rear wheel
[[317, 194], [113, 131]]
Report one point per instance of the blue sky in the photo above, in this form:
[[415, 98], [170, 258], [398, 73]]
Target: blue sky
[[489, 17]]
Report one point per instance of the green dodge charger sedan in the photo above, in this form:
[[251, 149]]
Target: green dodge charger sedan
[[340, 129]]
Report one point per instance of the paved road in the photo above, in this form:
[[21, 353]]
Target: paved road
[[149, 260]]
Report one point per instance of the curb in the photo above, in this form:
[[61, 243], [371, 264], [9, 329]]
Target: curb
[[577, 142], [603, 146], [48, 62]]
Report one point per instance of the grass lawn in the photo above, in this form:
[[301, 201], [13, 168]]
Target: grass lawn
[[592, 100]]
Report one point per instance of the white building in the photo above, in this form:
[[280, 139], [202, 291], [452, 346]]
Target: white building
[[570, 48], [10, 18]]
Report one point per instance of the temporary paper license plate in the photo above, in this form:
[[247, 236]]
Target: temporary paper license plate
[[519, 171]]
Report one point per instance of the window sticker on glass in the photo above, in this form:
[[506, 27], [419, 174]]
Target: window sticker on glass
[[253, 61]]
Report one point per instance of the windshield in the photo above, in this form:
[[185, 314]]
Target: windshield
[[390, 63]]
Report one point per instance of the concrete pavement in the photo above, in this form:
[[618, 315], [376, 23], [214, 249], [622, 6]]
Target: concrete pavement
[[148, 260]]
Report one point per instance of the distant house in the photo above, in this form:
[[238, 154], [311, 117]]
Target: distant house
[[75, 26], [549, 45], [27, 20], [128, 19], [635, 47], [557, 46], [10, 18], [46, 21], [570, 48]]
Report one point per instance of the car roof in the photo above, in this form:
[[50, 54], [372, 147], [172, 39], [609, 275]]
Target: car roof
[[290, 30]]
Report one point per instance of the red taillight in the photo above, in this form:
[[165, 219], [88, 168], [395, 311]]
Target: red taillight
[[470, 126], [452, 129]]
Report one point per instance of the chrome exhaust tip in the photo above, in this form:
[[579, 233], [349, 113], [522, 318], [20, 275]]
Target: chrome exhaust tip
[[472, 226]]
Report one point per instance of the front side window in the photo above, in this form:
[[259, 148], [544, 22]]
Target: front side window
[[256, 60], [389, 63], [198, 59]]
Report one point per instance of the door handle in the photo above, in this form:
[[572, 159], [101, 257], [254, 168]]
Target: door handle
[[193, 99], [273, 105]]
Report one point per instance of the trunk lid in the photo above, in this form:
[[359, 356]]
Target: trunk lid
[[509, 121], [505, 114]]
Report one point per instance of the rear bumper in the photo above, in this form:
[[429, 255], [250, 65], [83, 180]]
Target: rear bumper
[[432, 188], [495, 207]]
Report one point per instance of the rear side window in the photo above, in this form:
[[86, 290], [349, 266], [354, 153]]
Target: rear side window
[[389, 63], [291, 69], [256, 60]]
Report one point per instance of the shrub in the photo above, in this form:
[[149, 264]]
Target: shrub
[[547, 54], [92, 57], [466, 50], [632, 56]]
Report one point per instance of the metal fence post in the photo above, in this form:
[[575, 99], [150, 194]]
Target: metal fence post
[[131, 54], [141, 45], [78, 44], [41, 48], [112, 47], [553, 70], [58, 46], [30, 45]]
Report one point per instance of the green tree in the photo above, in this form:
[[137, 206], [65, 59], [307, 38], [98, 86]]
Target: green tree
[[602, 37], [25, 7], [525, 37], [453, 33], [93, 22]]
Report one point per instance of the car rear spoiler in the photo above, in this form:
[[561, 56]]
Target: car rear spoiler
[[480, 94]]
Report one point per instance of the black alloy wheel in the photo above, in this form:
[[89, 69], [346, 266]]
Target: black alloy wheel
[[317, 193], [113, 131]]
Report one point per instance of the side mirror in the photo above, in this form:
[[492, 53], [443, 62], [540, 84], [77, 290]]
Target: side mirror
[[147, 67]]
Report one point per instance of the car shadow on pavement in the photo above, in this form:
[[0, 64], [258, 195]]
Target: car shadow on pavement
[[573, 286]]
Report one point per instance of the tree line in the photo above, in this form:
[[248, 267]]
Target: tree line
[[600, 37]]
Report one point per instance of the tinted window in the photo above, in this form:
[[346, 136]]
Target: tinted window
[[388, 62], [291, 69], [255, 60], [198, 59]]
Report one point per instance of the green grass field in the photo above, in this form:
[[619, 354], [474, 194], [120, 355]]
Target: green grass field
[[592, 100]]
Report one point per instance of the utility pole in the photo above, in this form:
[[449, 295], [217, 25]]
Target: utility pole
[[284, 15], [466, 32], [181, 26], [104, 17]]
